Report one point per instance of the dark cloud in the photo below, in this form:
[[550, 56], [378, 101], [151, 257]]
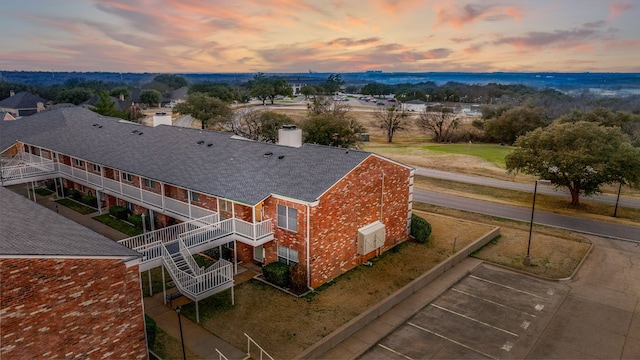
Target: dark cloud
[[351, 42]]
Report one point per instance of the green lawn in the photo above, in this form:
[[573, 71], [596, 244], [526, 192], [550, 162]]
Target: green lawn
[[490, 152], [76, 206], [118, 225]]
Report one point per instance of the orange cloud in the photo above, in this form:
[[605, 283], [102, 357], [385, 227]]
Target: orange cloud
[[617, 8], [458, 16]]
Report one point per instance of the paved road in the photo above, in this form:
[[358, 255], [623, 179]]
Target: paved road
[[184, 121], [502, 184], [585, 226]]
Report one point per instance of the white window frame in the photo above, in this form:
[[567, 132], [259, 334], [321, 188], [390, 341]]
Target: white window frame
[[287, 256], [151, 184], [79, 162], [126, 176], [191, 195], [285, 216], [226, 205], [96, 168]]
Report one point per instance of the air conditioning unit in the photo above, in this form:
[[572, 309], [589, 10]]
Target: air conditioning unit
[[371, 237]]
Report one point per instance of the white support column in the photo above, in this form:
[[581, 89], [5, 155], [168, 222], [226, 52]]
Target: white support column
[[233, 299], [99, 195], [152, 220], [235, 256], [164, 210], [233, 216]]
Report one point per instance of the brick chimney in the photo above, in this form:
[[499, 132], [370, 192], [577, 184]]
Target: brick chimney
[[12, 92]]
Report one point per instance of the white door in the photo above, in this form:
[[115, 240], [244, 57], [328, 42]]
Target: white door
[[258, 253]]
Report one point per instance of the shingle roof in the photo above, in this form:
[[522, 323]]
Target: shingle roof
[[235, 169], [30, 229], [22, 100]]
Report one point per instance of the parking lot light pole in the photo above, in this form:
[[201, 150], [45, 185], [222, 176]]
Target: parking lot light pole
[[527, 258], [184, 354]]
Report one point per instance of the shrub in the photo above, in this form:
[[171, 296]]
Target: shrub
[[136, 220], [74, 194], [151, 329], [51, 185], [298, 279], [420, 228], [90, 200], [277, 273], [118, 212]]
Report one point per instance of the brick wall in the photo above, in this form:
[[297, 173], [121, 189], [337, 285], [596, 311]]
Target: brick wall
[[69, 308], [355, 201]]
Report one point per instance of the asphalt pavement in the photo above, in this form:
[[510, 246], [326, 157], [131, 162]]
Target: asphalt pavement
[[573, 223]]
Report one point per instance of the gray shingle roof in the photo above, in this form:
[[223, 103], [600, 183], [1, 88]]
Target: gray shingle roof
[[30, 229], [22, 100], [230, 168]]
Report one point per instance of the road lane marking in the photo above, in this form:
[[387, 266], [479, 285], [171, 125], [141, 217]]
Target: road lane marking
[[451, 340], [507, 346], [525, 324], [475, 320], [395, 352], [539, 307], [507, 287], [492, 302]]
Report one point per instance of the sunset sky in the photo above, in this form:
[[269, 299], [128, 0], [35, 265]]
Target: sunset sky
[[179, 36]]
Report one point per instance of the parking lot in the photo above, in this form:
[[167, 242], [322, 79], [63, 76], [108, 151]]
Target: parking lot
[[492, 313]]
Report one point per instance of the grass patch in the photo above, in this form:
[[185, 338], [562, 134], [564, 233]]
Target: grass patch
[[76, 206], [490, 152], [266, 313], [119, 225], [167, 347], [43, 192], [156, 281]]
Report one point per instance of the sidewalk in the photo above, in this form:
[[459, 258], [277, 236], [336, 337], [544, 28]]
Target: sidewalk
[[198, 340]]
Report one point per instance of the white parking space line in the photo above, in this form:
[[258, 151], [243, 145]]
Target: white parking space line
[[491, 302], [451, 340], [507, 287], [395, 352], [475, 320]]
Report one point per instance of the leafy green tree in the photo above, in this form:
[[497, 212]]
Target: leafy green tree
[[76, 95], [105, 105], [308, 90], [515, 122], [209, 110], [331, 130], [120, 90], [629, 123], [150, 97], [267, 88], [221, 91], [259, 125], [580, 156], [333, 83], [441, 121], [172, 81], [391, 119]]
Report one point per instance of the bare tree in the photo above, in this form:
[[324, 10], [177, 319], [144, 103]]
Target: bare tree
[[391, 119], [441, 121], [258, 125]]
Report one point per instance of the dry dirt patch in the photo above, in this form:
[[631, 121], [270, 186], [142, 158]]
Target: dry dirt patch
[[285, 325]]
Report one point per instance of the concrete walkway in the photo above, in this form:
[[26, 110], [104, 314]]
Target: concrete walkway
[[197, 339]]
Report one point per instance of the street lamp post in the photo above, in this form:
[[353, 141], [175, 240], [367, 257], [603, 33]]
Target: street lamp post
[[184, 354], [527, 258]]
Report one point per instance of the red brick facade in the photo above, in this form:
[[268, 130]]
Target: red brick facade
[[68, 308]]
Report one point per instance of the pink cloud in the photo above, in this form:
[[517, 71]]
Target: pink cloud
[[457, 16], [619, 7], [580, 39]]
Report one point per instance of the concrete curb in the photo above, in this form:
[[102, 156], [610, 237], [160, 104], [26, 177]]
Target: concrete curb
[[345, 331]]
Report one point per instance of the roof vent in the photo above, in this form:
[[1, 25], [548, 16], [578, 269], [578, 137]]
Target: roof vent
[[281, 157], [200, 142], [209, 144], [99, 126], [134, 132], [267, 154], [140, 133]]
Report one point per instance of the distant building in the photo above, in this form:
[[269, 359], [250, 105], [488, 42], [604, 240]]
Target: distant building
[[23, 104]]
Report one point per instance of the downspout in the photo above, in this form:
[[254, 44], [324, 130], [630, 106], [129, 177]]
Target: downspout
[[308, 249]]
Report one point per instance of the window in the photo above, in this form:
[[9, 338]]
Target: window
[[126, 176], [287, 218], [79, 163], [226, 205], [129, 206], [287, 256], [191, 195], [150, 183], [96, 168]]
